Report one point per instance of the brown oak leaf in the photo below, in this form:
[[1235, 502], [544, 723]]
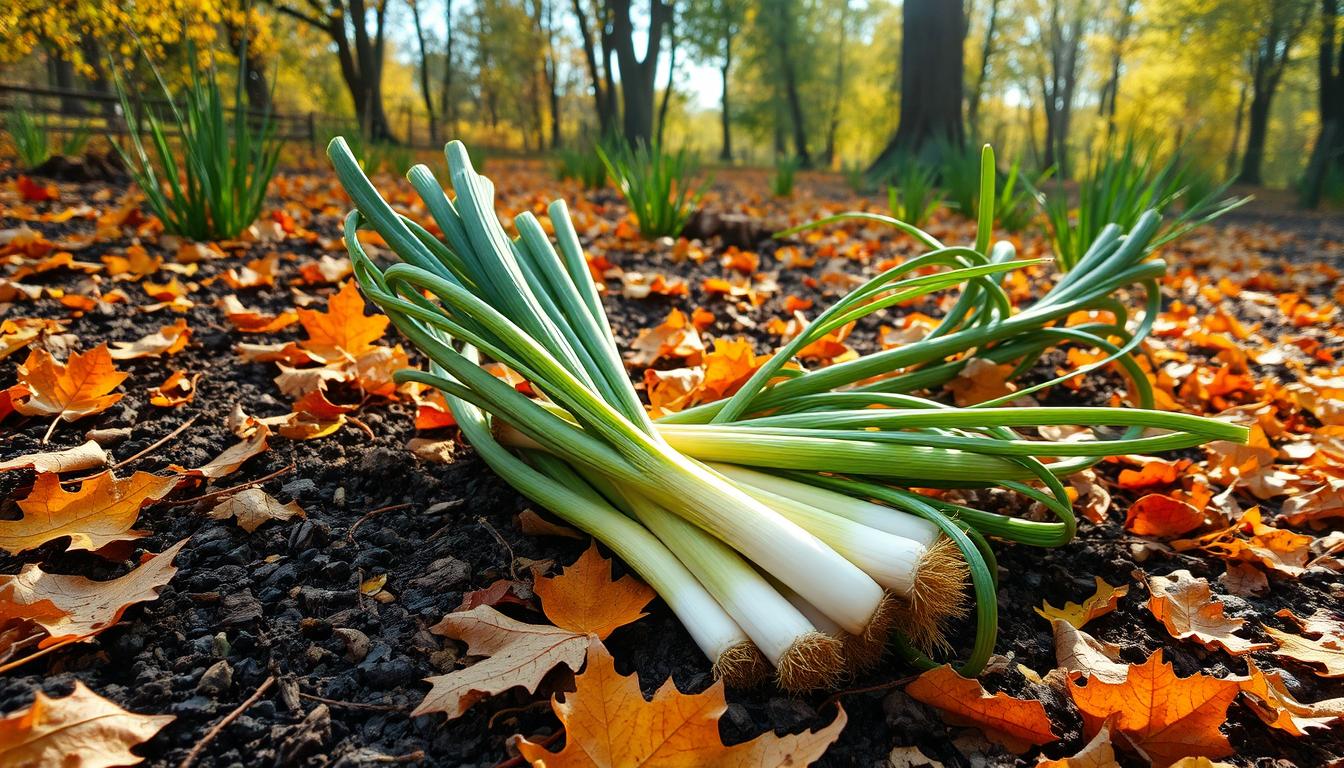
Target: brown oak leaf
[[1017, 724], [83, 725]]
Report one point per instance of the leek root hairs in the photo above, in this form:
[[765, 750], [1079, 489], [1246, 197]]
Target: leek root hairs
[[742, 665], [939, 596], [813, 661]]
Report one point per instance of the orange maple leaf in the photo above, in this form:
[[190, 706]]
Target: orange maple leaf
[[585, 599], [72, 390], [1017, 724], [343, 330], [85, 724], [608, 724], [1164, 716], [100, 512]]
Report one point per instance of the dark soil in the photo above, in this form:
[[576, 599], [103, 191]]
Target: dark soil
[[271, 603]]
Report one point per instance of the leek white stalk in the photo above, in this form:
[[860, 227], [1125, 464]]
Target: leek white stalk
[[729, 649], [893, 521], [804, 658]]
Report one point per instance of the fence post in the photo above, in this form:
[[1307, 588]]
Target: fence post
[[312, 132]]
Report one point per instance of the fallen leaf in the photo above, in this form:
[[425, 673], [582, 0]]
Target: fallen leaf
[[1187, 608], [233, 457], [580, 601], [1102, 602], [980, 380], [1324, 654], [81, 730], [176, 390], [72, 390], [86, 607], [1159, 515], [910, 757], [516, 654], [533, 524], [609, 724], [252, 507], [1097, 753], [1017, 724], [584, 599], [1270, 699], [100, 512], [250, 320], [85, 456], [1164, 716], [1152, 472], [344, 329], [1078, 652], [169, 340]]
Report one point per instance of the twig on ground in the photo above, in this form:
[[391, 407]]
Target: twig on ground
[[350, 536], [358, 422], [231, 490], [897, 683], [222, 724], [148, 449], [351, 704], [513, 571]]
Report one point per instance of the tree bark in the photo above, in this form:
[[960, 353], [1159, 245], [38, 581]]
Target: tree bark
[[1268, 61], [1106, 105], [1237, 122], [726, 151], [637, 73], [1329, 150], [931, 79], [360, 56], [598, 73], [977, 91]]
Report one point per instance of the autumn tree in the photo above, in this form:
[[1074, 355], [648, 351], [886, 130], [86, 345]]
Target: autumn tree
[[1277, 26], [1328, 153], [779, 20], [931, 79], [1061, 36], [637, 72], [357, 29]]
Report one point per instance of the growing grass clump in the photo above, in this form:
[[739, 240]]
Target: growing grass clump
[[658, 185]]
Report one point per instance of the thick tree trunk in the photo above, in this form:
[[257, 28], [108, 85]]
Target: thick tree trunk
[[931, 79], [1258, 129], [1237, 123], [1328, 154], [1106, 105], [61, 75], [637, 74]]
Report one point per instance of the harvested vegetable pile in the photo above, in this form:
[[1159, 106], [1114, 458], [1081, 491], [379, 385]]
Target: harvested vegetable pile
[[232, 510]]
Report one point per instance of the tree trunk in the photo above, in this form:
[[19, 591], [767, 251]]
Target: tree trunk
[[1237, 123], [1255, 140], [833, 125], [931, 79], [637, 74], [61, 75], [1106, 105], [671, 73], [726, 151], [977, 91], [425, 90], [1328, 153]]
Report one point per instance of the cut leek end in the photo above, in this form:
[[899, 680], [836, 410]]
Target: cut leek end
[[742, 665], [938, 597], [815, 660]]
